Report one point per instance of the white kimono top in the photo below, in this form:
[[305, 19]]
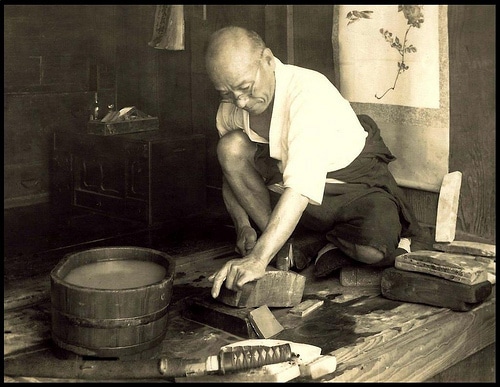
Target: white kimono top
[[313, 131]]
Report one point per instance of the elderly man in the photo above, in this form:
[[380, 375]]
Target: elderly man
[[292, 149]]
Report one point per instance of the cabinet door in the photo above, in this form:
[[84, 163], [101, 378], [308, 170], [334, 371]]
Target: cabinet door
[[100, 174], [138, 170]]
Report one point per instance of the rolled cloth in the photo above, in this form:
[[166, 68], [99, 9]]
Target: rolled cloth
[[370, 170]]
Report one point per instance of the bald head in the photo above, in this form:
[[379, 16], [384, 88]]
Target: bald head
[[233, 47], [241, 68]]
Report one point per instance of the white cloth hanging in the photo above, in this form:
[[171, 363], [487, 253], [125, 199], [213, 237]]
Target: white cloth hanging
[[168, 29]]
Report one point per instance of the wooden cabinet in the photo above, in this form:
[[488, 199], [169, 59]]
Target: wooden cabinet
[[141, 176]]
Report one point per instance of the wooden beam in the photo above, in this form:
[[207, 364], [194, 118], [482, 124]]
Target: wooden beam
[[289, 35], [276, 30]]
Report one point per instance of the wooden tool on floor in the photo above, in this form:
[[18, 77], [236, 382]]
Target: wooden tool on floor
[[279, 289], [421, 288]]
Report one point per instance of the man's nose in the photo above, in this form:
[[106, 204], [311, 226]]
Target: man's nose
[[241, 101]]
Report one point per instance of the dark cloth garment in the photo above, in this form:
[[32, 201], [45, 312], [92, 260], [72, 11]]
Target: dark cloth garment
[[370, 218], [370, 169], [369, 209], [331, 261], [336, 259], [266, 165]]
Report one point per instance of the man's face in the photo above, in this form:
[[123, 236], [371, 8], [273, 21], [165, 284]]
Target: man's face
[[246, 80]]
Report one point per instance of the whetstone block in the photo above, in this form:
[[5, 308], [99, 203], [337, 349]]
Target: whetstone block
[[264, 323], [447, 211], [278, 289], [453, 267], [465, 247], [427, 289]]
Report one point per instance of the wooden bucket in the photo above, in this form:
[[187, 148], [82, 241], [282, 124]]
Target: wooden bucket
[[111, 320]]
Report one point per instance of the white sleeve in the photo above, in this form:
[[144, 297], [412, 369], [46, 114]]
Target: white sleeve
[[324, 135], [228, 118]]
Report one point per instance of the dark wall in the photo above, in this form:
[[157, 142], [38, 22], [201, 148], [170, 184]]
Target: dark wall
[[56, 56], [473, 114], [312, 34], [471, 41], [53, 59], [157, 82]]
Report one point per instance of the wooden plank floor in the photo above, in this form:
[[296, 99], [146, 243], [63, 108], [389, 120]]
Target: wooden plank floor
[[373, 338]]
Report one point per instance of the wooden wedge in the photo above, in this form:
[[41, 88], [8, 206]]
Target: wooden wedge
[[447, 210]]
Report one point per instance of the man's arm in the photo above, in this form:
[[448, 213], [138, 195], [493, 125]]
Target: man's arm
[[282, 223]]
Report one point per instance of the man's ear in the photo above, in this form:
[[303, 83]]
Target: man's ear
[[268, 57]]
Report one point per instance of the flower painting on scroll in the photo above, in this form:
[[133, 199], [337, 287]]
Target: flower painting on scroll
[[415, 17], [387, 54]]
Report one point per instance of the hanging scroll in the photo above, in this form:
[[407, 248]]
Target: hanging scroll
[[392, 64]]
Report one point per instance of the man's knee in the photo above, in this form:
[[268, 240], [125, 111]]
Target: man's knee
[[368, 254], [361, 253], [233, 147]]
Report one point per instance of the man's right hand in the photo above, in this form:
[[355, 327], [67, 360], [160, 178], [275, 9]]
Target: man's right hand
[[237, 272], [246, 239]]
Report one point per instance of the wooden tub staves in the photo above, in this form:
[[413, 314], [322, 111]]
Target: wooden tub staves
[[124, 314]]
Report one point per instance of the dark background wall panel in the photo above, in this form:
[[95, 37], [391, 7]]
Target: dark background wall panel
[[174, 92], [133, 58], [473, 114], [22, 73], [53, 56], [312, 34]]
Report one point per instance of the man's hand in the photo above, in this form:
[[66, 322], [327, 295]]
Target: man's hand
[[236, 273], [246, 239]]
